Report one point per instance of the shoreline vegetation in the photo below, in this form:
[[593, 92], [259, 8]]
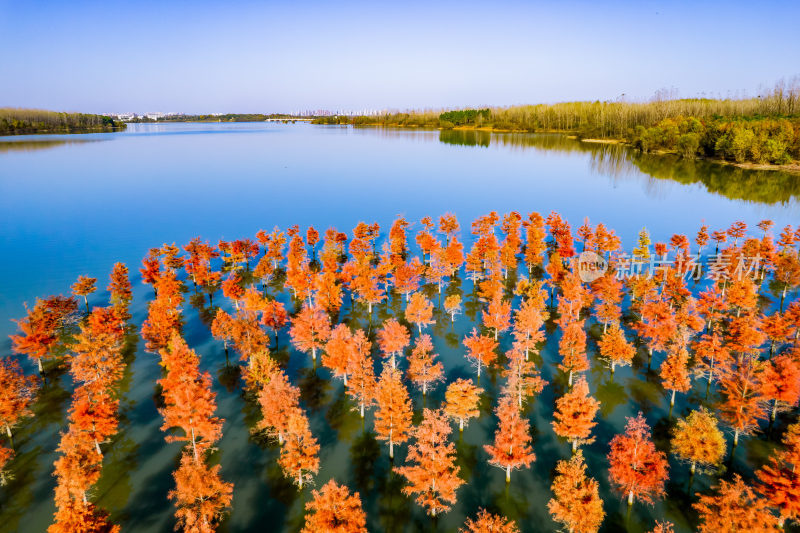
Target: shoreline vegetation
[[762, 132], [228, 117], [14, 121]]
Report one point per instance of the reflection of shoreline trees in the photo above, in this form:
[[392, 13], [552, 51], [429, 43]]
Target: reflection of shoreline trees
[[30, 146], [617, 161]]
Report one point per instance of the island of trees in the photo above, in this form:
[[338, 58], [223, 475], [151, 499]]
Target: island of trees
[[735, 337], [762, 130], [15, 121]]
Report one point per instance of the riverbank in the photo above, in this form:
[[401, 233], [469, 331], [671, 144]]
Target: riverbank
[[14, 121], [792, 166]]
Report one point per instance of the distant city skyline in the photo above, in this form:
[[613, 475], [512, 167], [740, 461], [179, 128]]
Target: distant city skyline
[[242, 57]]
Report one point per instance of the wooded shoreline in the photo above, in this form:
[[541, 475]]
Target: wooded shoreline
[[15, 121]]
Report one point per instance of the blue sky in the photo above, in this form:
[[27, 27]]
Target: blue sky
[[233, 56]]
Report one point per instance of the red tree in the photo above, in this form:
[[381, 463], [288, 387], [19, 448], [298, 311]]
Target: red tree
[[637, 469]]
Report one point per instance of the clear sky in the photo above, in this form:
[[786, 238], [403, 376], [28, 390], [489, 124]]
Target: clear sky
[[228, 56]]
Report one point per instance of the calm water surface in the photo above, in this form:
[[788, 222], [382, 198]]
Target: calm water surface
[[75, 204]]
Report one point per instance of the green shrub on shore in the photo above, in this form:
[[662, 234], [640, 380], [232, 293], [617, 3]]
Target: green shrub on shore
[[754, 140]]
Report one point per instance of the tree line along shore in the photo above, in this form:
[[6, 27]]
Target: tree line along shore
[[14, 121], [764, 130]]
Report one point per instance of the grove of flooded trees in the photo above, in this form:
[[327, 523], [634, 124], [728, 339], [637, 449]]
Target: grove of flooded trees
[[711, 311]]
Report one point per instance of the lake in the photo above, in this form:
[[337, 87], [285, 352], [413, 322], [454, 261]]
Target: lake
[[75, 204]]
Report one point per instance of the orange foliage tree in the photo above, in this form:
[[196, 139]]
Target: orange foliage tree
[[615, 348], [419, 311], [522, 378], [781, 383], [19, 391], [200, 495], [637, 469], [480, 350], [41, 327], [742, 402], [698, 440], [299, 457], [780, 477], [392, 339], [120, 286], [278, 399], [576, 503], [431, 471], [497, 316], [393, 417], [423, 369], [310, 329], [461, 401], [335, 510], [572, 348], [511, 449], [362, 385], [675, 372], [574, 414], [84, 287], [711, 354], [274, 317], [734, 507], [487, 522], [528, 323], [339, 351], [189, 402], [452, 305]]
